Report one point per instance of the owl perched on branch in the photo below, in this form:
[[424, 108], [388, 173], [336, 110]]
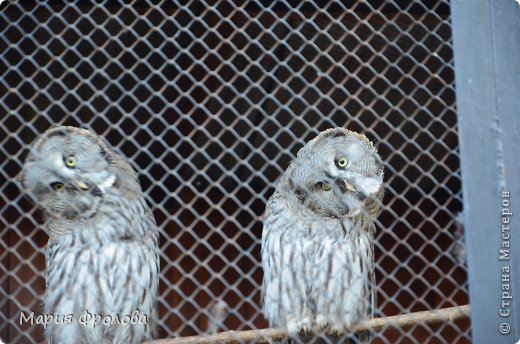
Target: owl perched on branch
[[317, 241], [102, 255]]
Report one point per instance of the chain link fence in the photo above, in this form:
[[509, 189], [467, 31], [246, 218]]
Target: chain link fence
[[210, 101]]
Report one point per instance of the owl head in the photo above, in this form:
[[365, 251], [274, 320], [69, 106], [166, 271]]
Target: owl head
[[67, 172], [338, 174]]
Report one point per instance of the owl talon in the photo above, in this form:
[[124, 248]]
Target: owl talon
[[321, 322], [295, 326], [337, 329]]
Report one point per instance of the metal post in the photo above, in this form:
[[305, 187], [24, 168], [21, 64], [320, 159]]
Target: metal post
[[486, 38]]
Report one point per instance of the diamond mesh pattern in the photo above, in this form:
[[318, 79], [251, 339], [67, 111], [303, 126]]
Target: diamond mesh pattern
[[210, 101]]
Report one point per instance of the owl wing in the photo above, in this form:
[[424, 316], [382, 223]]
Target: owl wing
[[285, 286], [372, 280]]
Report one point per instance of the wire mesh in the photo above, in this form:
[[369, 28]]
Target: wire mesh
[[210, 101]]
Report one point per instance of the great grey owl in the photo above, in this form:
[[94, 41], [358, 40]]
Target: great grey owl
[[317, 241], [102, 258]]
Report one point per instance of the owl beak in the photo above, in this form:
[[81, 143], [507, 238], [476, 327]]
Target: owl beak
[[80, 185], [345, 186]]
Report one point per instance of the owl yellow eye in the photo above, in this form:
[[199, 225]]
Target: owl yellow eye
[[70, 161], [326, 186], [342, 162], [58, 186]]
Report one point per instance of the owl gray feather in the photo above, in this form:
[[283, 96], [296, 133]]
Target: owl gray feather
[[317, 241], [102, 254]]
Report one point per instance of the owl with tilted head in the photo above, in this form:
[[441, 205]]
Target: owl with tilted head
[[102, 258], [318, 235]]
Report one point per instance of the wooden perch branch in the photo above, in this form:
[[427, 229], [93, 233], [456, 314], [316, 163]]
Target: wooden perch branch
[[376, 324]]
